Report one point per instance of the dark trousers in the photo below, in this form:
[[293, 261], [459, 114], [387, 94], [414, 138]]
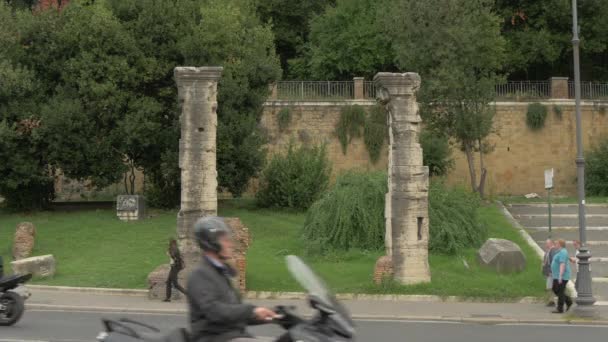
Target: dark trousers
[[560, 292], [172, 282]]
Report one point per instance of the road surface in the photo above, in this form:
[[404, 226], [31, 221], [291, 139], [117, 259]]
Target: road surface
[[83, 326]]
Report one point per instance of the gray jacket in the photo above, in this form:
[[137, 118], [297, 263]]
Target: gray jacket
[[216, 311], [547, 260]]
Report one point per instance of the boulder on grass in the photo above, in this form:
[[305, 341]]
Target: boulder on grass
[[503, 256], [23, 245], [40, 266]]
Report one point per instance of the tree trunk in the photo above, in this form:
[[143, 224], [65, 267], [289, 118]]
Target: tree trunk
[[483, 171], [468, 150], [125, 184], [132, 179]]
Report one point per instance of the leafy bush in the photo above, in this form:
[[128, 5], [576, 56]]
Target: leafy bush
[[375, 132], [453, 218], [536, 115], [352, 119], [284, 119], [436, 153], [351, 215], [296, 179], [596, 172]]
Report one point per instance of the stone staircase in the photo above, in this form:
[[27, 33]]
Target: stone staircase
[[535, 219]]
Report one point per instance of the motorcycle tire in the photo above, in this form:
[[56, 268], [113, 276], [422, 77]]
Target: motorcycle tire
[[14, 306]]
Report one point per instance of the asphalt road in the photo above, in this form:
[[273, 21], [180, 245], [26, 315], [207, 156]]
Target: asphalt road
[[81, 326]]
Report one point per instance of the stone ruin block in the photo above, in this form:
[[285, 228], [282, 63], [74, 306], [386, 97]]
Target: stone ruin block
[[130, 207], [503, 256], [43, 266], [383, 270], [23, 245]]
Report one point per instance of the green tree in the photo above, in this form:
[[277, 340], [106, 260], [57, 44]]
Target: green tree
[[202, 32], [539, 37], [348, 40], [456, 47], [290, 23]]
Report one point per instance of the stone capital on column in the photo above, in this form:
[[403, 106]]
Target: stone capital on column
[[186, 74], [397, 84]]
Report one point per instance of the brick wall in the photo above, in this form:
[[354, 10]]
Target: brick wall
[[515, 166]]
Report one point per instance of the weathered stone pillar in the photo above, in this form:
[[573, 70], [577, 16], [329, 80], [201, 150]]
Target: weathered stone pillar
[[408, 179], [559, 88], [274, 92], [358, 85], [197, 93]]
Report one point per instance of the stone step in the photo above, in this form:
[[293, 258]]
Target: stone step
[[592, 235], [539, 221], [598, 270], [542, 209], [600, 289]]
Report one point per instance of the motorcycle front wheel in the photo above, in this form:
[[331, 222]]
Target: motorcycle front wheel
[[11, 308]]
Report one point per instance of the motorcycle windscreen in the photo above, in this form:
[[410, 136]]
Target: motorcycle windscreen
[[316, 287]]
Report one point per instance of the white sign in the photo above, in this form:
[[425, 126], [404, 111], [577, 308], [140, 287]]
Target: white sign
[[549, 179]]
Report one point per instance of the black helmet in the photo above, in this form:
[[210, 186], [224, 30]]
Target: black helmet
[[208, 231]]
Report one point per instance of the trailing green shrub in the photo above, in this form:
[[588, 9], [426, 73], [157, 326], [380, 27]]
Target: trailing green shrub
[[454, 220], [536, 116], [351, 215], [295, 179], [352, 119], [596, 170], [559, 111], [436, 153], [284, 119], [375, 131]]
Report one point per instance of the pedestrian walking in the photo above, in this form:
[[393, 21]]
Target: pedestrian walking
[[561, 272], [177, 264], [550, 251]]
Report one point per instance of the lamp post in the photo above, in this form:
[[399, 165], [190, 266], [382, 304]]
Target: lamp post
[[583, 277]]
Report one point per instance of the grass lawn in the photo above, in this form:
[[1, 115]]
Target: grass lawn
[[95, 249]]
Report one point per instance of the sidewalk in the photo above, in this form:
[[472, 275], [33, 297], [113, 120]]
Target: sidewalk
[[360, 309]]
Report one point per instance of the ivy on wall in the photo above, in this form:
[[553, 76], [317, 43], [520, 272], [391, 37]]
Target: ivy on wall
[[284, 119], [375, 131], [536, 116], [353, 120], [559, 112]]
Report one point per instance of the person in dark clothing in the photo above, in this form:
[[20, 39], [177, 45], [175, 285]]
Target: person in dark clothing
[[550, 252], [217, 313], [177, 264]]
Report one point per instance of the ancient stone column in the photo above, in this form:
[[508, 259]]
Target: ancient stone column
[[408, 179], [197, 93]]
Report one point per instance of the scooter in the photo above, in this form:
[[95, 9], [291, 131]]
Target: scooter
[[330, 323], [12, 298]]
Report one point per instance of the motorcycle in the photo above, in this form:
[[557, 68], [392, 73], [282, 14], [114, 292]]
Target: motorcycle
[[12, 298], [330, 323]]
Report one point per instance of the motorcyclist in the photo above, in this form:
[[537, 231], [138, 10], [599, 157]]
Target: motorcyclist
[[217, 313]]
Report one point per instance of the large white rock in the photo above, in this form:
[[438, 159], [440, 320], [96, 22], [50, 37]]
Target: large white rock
[[40, 266], [503, 256]]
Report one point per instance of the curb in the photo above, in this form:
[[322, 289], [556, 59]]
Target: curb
[[91, 290], [521, 230], [455, 319], [267, 295]]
